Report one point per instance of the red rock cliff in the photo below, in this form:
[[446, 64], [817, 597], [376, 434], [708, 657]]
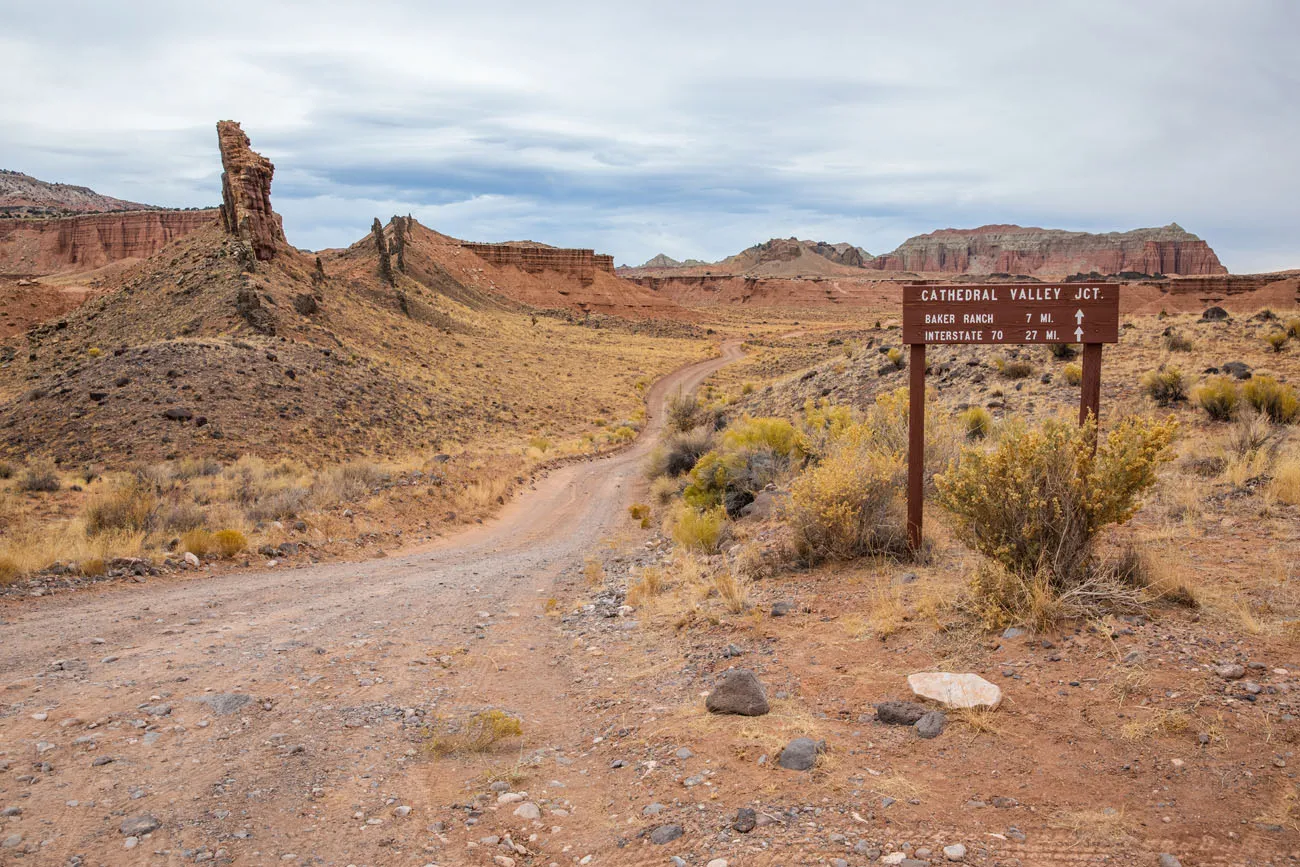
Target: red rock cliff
[[246, 192], [67, 244], [535, 258], [1051, 252]]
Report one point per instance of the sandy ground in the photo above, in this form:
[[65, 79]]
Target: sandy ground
[[342, 663]]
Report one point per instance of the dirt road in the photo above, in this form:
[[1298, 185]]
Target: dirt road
[[280, 716]]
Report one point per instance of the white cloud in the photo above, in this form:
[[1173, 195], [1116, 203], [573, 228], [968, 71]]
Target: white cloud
[[691, 128]]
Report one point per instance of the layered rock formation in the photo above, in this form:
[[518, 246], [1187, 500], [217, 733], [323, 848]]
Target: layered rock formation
[[25, 196], [1052, 252], [246, 192], [34, 247], [581, 265]]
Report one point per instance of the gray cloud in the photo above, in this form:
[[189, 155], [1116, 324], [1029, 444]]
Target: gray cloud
[[691, 128]]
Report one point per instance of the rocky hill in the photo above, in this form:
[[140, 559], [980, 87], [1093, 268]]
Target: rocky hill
[[988, 250], [26, 196], [229, 341], [1169, 250]]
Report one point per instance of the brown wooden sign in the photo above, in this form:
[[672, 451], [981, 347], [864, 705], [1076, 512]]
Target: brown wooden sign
[[1086, 313], [1012, 313]]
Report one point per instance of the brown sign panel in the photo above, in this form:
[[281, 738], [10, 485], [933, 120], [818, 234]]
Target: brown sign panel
[[1012, 313]]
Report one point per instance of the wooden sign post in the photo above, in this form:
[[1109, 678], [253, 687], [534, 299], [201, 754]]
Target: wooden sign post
[[1000, 313]]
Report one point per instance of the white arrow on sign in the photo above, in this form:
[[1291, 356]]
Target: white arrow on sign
[[1078, 317], [1078, 335]]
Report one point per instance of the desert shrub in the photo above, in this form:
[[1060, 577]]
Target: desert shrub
[[228, 543], [895, 357], [93, 567], [649, 584], [748, 387], [129, 506], [1013, 369], [849, 504], [180, 516], [94, 352], [6, 470], [679, 452], [1175, 342], [542, 444], [1275, 399], [1218, 396], [1036, 501], [775, 435], [886, 426], [977, 422], [197, 542], [700, 529], [1072, 374], [478, 734], [1276, 340], [665, 489], [39, 478], [1063, 351], [1251, 434], [9, 571], [278, 505], [1293, 327], [1164, 386], [682, 410]]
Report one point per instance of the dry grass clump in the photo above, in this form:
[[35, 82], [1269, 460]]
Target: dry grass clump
[[1072, 374], [198, 542], [39, 478], [977, 421], [1175, 342], [646, 586], [1277, 400], [700, 529], [346, 483], [1293, 327], [6, 470], [128, 507], [228, 543], [9, 571], [1035, 503], [1218, 396], [1164, 386], [1286, 481], [685, 412], [1013, 369], [1062, 351], [477, 734]]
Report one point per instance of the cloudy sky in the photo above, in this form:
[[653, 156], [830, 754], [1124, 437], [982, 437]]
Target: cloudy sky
[[692, 128]]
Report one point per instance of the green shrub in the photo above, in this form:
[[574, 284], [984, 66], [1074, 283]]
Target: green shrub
[[1072, 374], [40, 478], [772, 434], [1218, 396], [895, 357], [977, 421], [1164, 386], [1035, 503], [700, 529], [128, 507], [848, 505], [1276, 400]]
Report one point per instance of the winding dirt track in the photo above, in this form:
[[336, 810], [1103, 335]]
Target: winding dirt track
[[342, 661]]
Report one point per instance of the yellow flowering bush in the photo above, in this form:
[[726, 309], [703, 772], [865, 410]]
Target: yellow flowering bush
[[1036, 501]]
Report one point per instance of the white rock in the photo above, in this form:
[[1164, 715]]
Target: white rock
[[718, 862], [955, 852], [402, 811], [955, 690], [529, 811], [894, 858], [509, 798], [192, 559]]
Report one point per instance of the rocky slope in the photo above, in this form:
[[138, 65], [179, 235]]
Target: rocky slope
[[83, 243], [26, 196], [1038, 252]]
